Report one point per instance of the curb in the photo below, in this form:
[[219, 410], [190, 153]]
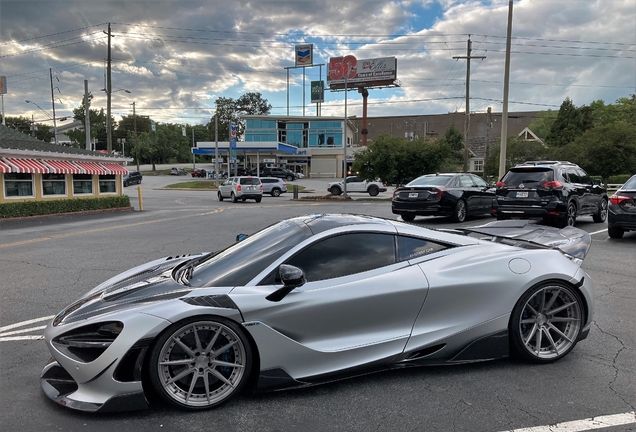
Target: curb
[[70, 213]]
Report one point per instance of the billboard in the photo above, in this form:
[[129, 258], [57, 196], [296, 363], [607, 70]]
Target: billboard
[[3, 85], [233, 141], [304, 55], [380, 72], [317, 91]]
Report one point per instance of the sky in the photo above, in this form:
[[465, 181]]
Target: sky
[[177, 57]]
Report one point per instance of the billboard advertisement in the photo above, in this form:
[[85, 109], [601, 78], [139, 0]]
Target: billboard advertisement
[[379, 72], [317, 91], [304, 55], [3, 85], [233, 141]]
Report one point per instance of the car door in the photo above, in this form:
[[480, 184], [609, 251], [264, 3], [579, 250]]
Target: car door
[[226, 188], [593, 193], [357, 294], [354, 184], [486, 194], [578, 190], [470, 193]]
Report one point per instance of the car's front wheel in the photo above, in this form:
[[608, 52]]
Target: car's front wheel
[[459, 214], [290, 178], [374, 191], [601, 212], [275, 192], [220, 195], [335, 190], [200, 362], [546, 322]]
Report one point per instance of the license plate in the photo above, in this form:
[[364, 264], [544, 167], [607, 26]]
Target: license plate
[[413, 194], [522, 194]]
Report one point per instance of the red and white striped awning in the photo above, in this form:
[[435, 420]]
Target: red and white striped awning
[[27, 165], [91, 167], [114, 168], [4, 168], [62, 167]]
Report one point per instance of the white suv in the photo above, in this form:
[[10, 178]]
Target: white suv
[[241, 188], [273, 186]]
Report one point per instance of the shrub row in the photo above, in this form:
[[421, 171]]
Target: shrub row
[[616, 179], [36, 208]]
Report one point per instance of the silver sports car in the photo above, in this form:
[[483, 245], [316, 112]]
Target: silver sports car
[[317, 298]]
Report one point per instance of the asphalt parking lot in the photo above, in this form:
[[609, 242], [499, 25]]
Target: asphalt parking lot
[[46, 263]]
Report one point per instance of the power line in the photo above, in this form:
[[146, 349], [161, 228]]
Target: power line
[[51, 47], [52, 34]]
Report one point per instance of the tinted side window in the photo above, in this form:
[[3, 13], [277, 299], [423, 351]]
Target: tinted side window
[[412, 247], [573, 175], [479, 182], [466, 181], [344, 255], [583, 177]]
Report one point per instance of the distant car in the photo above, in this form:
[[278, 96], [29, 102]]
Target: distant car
[[274, 172], [355, 184], [241, 188], [199, 173], [178, 171], [455, 194], [299, 175], [273, 186], [555, 191], [622, 210], [133, 177]]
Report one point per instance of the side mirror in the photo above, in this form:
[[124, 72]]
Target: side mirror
[[241, 237], [292, 278], [596, 182]]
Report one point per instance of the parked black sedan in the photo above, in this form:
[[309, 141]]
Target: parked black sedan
[[622, 210], [456, 195]]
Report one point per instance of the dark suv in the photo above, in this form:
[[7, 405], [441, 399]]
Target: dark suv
[[275, 172], [133, 177], [556, 192]]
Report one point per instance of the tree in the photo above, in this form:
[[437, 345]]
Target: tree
[[23, 124], [517, 151], [568, 125], [455, 140], [542, 123], [230, 110], [396, 159], [97, 123]]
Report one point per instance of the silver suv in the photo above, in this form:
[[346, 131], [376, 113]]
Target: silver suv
[[273, 186], [241, 188]]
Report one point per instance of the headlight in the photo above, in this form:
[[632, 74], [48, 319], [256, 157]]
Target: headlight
[[86, 344]]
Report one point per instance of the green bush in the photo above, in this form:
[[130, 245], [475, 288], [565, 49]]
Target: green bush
[[36, 208], [621, 178]]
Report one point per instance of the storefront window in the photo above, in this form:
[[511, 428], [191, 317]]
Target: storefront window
[[107, 184], [53, 184], [82, 184], [18, 185]]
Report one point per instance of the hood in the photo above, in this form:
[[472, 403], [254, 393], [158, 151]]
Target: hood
[[572, 242]]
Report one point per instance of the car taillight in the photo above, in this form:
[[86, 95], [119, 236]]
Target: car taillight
[[552, 185], [617, 199], [395, 193], [500, 184], [284, 185], [261, 187], [440, 192], [238, 188]]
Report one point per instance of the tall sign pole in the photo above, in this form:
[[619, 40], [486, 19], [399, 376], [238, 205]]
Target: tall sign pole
[[109, 134], [504, 114], [216, 147], [53, 103], [3, 91], [87, 116]]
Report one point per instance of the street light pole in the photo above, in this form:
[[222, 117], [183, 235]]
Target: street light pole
[[53, 103], [109, 136], [344, 136]]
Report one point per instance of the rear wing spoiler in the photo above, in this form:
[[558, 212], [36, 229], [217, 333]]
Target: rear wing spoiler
[[572, 242]]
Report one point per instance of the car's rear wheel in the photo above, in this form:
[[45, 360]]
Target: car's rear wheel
[[258, 199], [546, 322], [374, 191], [569, 219], [290, 178], [220, 195], [408, 217], [601, 212], [234, 198], [275, 192], [335, 190], [459, 214], [200, 362], [615, 232]]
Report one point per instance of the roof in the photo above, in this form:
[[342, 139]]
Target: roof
[[15, 143]]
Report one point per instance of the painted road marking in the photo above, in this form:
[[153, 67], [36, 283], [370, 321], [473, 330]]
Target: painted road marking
[[585, 425], [599, 231], [10, 335]]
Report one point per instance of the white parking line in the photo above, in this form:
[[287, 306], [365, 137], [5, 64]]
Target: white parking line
[[599, 231], [17, 338], [30, 329], [23, 323], [585, 425]]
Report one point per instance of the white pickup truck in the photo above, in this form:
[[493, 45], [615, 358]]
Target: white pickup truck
[[354, 184]]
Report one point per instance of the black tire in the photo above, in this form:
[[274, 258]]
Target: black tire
[[200, 387], [234, 198], [125, 184], [335, 190], [538, 336], [408, 217], [460, 211], [373, 191], [220, 195], [275, 192], [290, 178], [501, 217], [258, 199], [243, 199], [615, 232], [570, 216], [601, 212]]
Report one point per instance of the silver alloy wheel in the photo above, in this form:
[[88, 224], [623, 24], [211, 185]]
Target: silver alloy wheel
[[570, 217], [201, 364], [460, 211], [550, 322], [601, 215]]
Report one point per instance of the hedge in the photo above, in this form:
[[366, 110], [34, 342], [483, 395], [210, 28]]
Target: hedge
[[615, 179], [36, 208]]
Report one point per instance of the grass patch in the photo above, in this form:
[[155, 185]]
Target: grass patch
[[197, 184]]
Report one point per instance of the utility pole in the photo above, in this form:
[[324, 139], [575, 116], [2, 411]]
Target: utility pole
[[109, 136], [135, 128], [32, 126], [53, 103], [87, 116], [488, 126], [504, 114], [467, 119]]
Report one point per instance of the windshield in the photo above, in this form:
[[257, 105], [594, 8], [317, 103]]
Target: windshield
[[431, 180], [631, 184], [250, 181], [242, 261]]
